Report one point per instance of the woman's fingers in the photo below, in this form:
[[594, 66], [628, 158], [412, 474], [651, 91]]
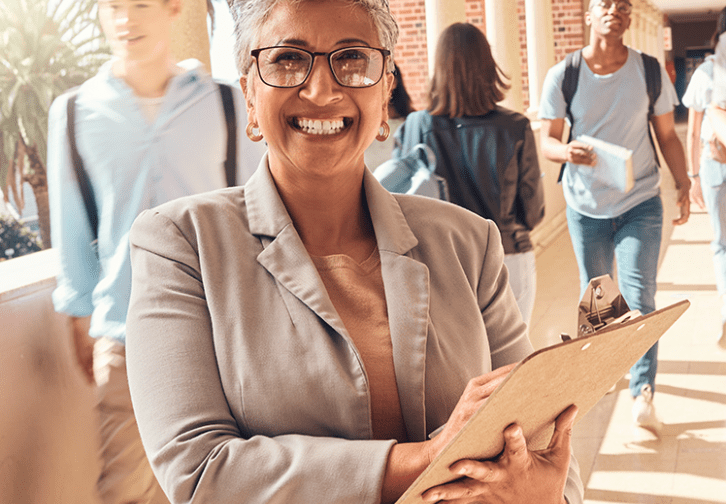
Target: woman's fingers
[[478, 476], [515, 446], [518, 475], [483, 386], [562, 437]]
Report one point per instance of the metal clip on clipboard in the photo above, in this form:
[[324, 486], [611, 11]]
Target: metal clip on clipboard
[[602, 305]]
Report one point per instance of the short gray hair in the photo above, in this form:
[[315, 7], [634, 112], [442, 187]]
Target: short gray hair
[[250, 15]]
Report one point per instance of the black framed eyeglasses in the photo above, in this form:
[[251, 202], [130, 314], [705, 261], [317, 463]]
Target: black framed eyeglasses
[[353, 67], [621, 6]]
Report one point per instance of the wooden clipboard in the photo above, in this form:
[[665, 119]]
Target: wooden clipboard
[[544, 384]]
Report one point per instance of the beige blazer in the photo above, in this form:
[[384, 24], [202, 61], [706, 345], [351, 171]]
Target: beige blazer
[[246, 385]]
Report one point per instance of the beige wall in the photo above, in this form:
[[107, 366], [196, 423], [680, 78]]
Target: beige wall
[[47, 444]]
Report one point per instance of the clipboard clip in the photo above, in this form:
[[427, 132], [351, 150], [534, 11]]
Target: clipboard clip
[[602, 305]]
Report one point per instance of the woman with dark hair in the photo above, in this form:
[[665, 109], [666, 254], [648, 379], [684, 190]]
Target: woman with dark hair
[[399, 106], [707, 155], [485, 152]]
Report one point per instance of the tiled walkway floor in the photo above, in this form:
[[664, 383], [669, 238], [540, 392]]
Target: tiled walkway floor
[[621, 463]]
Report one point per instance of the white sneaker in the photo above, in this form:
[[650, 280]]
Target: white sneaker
[[644, 412]]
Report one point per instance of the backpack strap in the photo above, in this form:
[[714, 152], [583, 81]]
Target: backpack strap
[[653, 85], [230, 163], [571, 79], [569, 87], [84, 184]]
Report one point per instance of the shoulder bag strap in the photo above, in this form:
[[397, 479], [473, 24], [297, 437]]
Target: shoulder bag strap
[[230, 163], [84, 184]]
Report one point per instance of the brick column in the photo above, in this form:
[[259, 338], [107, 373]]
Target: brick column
[[189, 37], [501, 32]]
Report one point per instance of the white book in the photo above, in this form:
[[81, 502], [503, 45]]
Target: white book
[[614, 163]]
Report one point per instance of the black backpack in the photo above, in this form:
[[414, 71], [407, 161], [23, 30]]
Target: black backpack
[[572, 76], [89, 201]]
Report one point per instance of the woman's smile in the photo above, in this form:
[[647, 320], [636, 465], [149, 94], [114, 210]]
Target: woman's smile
[[321, 126]]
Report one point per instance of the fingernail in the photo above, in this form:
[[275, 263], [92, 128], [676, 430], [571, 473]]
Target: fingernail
[[463, 471]]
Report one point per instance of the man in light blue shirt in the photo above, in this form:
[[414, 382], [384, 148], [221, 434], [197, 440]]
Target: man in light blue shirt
[[148, 130], [611, 103]]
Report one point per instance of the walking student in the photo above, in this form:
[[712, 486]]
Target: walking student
[[618, 91], [707, 155], [143, 131]]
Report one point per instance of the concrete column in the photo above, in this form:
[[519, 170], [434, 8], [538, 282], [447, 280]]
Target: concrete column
[[653, 30], [657, 18], [439, 15], [502, 30], [660, 53], [642, 26], [540, 46], [635, 25], [189, 38]]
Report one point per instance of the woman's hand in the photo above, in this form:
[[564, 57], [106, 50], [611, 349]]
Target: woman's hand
[[477, 391], [518, 475]]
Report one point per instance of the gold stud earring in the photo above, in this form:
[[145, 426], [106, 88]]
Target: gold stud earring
[[251, 134], [383, 132]]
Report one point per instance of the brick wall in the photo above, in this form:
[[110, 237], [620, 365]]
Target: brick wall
[[568, 21], [411, 51]]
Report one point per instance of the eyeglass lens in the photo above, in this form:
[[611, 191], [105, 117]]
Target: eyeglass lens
[[290, 67], [620, 5]]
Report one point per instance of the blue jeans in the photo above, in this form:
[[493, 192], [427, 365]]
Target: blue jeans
[[715, 199], [633, 240]]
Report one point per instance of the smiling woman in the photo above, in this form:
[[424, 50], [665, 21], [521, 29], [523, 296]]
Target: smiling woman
[[330, 327]]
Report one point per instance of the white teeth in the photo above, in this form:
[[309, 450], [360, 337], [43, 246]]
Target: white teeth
[[320, 127]]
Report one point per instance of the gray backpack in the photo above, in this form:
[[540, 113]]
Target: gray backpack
[[413, 174]]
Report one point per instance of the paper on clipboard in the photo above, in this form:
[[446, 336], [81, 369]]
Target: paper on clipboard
[[614, 163], [579, 371]]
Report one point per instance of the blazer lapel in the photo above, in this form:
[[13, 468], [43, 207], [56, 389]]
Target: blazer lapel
[[406, 284], [405, 280], [284, 256]]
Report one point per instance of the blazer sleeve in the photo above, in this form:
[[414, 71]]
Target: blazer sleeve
[[193, 442], [530, 188]]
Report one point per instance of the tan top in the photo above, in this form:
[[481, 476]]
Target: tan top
[[357, 293]]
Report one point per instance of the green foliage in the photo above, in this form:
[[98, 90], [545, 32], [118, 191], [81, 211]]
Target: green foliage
[[48, 46], [15, 239]]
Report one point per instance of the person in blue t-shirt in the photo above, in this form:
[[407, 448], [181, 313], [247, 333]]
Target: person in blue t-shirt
[[607, 223]]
